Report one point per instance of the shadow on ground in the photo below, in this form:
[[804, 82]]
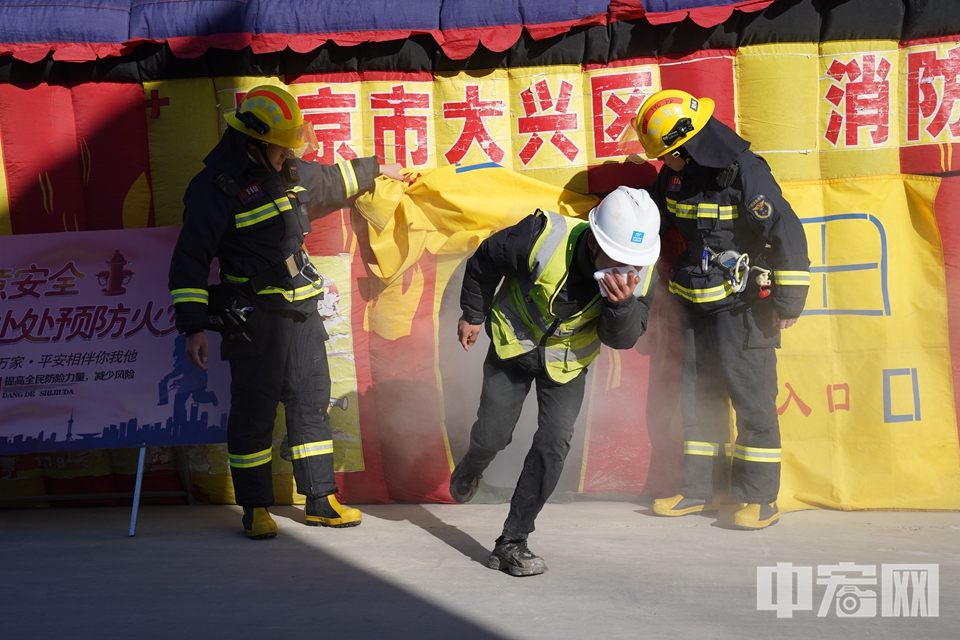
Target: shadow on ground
[[76, 574], [418, 516]]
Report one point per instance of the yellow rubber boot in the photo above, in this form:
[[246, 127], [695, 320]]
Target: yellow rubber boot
[[328, 512], [257, 523], [751, 517], [679, 506]]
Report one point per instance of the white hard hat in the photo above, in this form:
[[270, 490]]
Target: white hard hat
[[626, 225]]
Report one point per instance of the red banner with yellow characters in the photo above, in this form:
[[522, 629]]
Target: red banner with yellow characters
[[859, 118]]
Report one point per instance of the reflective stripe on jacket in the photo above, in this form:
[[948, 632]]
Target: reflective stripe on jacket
[[749, 216], [522, 317], [242, 214]]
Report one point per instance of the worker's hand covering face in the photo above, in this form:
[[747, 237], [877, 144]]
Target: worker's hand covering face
[[624, 272], [617, 283]]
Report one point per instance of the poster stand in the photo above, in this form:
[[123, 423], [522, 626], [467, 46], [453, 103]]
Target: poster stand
[[136, 490]]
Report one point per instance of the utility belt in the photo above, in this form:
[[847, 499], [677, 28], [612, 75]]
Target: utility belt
[[294, 265], [231, 305], [717, 281]]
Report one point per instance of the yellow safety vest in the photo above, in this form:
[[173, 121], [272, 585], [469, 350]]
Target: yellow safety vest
[[522, 313]]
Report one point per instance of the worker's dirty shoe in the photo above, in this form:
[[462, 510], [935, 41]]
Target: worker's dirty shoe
[[680, 506], [257, 523], [751, 517], [515, 558], [464, 482], [328, 512]]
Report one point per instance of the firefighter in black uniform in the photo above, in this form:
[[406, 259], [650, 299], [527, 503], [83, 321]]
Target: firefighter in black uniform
[[743, 278], [248, 208], [568, 286]]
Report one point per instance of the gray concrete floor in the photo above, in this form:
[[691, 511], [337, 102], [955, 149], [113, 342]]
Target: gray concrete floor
[[417, 571]]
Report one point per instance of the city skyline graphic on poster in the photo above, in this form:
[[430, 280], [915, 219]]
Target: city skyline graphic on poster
[[186, 424]]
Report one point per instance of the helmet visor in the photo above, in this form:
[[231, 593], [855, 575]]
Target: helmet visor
[[629, 144], [307, 139]]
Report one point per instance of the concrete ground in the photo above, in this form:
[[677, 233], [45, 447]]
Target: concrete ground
[[418, 571]]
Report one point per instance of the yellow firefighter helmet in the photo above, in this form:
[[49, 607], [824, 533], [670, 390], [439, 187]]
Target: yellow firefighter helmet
[[669, 118], [271, 114]]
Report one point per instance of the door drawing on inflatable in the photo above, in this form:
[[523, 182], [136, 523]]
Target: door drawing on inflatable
[[850, 278]]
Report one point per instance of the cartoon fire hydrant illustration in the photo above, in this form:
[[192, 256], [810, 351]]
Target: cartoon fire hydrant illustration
[[113, 279]]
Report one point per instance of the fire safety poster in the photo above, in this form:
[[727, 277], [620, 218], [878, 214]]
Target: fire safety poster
[[89, 354]]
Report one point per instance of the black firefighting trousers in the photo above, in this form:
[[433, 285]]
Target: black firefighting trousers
[[286, 362], [506, 384], [729, 357]]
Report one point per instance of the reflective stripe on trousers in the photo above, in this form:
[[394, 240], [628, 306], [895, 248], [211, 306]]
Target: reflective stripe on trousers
[[718, 369], [311, 449], [286, 362], [251, 460]]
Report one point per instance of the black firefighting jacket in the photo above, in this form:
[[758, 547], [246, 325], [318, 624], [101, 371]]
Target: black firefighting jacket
[[726, 198], [506, 254], [243, 214]]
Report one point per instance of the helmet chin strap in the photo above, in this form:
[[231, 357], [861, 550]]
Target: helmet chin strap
[[288, 174], [262, 149], [262, 146]]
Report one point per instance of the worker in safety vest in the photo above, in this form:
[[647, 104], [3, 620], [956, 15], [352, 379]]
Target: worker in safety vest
[[568, 286], [248, 208], [743, 278]]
